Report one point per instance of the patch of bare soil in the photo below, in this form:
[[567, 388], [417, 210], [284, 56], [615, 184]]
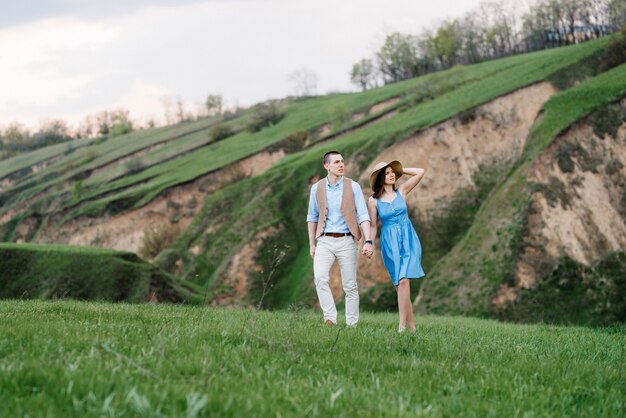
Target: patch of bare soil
[[578, 213], [235, 277], [383, 105]]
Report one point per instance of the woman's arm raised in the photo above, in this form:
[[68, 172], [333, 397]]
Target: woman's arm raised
[[416, 176]]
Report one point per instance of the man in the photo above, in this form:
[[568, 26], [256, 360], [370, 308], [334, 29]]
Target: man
[[336, 211]]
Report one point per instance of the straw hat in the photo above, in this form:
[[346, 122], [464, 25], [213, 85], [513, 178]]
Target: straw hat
[[396, 166]]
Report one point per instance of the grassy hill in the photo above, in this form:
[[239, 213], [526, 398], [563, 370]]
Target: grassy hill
[[35, 271], [237, 231], [96, 359]]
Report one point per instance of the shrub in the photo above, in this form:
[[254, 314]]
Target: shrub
[[467, 116], [340, 117], [156, 238], [120, 129], [221, 131], [167, 260], [134, 165], [78, 188], [272, 259], [615, 51], [607, 121], [572, 293], [293, 143], [266, 114], [232, 114], [569, 76], [564, 154], [554, 191]]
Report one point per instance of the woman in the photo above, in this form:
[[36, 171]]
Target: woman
[[400, 246]]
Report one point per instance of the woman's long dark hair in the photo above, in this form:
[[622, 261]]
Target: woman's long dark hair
[[380, 183]]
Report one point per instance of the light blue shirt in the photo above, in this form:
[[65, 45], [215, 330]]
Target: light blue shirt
[[334, 195]]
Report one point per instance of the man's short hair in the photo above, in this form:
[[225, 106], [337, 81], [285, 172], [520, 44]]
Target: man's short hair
[[326, 159]]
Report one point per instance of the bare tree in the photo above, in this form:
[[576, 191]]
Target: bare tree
[[166, 103], [180, 111], [305, 82], [87, 127]]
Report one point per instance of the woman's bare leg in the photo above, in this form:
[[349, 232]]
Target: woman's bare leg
[[409, 309], [404, 304]]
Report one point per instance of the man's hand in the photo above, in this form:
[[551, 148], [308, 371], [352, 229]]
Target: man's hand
[[368, 250], [312, 251]]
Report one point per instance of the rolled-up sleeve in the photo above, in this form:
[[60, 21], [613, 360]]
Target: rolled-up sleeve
[[359, 203], [314, 212]]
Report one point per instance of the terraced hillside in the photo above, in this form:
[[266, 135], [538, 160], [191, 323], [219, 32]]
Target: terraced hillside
[[228, 215]]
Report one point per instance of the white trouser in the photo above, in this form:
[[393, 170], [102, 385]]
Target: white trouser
[[345, 251]]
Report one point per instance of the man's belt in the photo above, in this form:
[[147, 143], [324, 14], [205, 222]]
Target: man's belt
[[337, 234]]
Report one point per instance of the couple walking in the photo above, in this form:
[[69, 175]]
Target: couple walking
[[337, 218]]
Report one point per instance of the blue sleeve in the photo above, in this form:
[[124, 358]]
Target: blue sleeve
[[359, 203], [314, 212]]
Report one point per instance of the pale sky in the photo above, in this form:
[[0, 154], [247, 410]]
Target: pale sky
[[69, 58]]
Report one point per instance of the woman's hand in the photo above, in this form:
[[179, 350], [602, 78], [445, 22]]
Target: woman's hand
[[368, 250], [416, 176]]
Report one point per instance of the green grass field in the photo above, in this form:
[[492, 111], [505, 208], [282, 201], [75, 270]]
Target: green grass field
[[105, 360]]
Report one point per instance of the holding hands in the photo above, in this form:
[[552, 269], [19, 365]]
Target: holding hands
[[368, 249]]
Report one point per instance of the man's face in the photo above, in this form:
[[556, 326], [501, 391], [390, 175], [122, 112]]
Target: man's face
[[335, 166]]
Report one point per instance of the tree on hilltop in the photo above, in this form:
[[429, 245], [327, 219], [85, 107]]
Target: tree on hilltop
[[364, 74], [398, 58], [214, 104]]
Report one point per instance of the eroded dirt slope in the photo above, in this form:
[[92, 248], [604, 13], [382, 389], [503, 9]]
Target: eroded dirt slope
[[578, 208]]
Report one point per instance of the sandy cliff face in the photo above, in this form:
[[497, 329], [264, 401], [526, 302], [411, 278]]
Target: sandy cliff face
[[578, 208]]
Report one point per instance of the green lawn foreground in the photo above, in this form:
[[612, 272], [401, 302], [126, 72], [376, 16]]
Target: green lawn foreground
[[94, 359]]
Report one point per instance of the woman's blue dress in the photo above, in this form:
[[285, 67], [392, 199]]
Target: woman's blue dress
[[399, 244]]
